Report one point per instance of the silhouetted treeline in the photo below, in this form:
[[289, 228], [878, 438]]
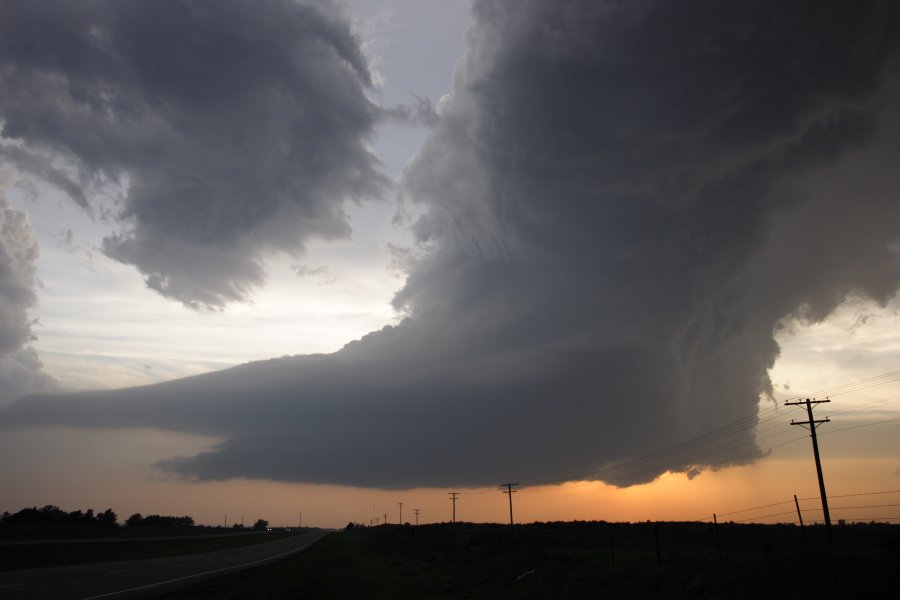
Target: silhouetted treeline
[[53, 515], [138, 520], [51, 521]]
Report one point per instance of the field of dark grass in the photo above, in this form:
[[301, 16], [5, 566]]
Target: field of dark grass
[[15, 556], [578, 560]]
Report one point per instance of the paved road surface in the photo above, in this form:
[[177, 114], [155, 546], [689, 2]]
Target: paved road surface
[[143, 578]]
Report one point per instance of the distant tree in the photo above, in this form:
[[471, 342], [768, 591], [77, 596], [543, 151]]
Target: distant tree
[[51, 514], [237, 526], [260, 525], [351, 525], [160, 521], [107, 518], [135, 520]]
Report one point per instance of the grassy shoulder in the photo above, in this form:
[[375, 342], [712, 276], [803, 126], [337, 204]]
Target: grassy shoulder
[[77, 552], [575, 560]]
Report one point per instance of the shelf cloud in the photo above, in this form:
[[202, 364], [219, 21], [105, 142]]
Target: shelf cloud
[[620, 203]]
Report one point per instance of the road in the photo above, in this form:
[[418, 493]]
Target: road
[[143, 578]]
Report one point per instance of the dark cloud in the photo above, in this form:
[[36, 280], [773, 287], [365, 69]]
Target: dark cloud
[[619, 204], [321, 273], [22, 373], [18, 254], [420, 112], [237, 128], [20, 368]]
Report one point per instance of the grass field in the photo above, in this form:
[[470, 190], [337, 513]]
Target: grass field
[[578, 560], [64, 553]]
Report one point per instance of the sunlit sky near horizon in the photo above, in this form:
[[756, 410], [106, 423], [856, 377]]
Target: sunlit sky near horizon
[[98, 326]]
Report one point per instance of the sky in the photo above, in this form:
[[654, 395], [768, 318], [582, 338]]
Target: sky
[[258, 259]]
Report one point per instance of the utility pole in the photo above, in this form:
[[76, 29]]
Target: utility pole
[[453, 496], [718, 543], [800, 516], [300, 522], [400, 504], [509, 491], [385, 518], [812, 424], [417, 511]]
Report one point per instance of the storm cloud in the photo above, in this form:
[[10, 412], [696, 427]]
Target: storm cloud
[[234, 129], [20, 369], [619, 204]]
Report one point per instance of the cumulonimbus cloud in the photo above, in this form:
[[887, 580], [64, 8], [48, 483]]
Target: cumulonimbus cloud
[[20, 369], [620, 202], [238, 129]]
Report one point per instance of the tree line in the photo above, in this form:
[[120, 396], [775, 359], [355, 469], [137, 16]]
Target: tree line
[[138, 520], [53, 515], [52, 518]]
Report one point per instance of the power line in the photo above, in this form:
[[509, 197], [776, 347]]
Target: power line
[[709, 443], [861, 426], [854, 495], [729, 429], [868, 494], [855, 386], [790, 512], [743, 510], [860, 506]]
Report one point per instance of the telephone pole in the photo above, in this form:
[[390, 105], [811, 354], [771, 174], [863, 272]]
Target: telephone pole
[[400, 504], [812, 424], [509, 491], [385, 518], [453, 496], [417, 511]]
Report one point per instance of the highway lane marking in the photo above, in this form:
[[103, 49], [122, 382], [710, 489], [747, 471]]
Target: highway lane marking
[[9, 585], [186, 577]]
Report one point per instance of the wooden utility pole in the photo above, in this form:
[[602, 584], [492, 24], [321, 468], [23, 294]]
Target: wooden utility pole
[[509, 491], [718, 543], [400, 504], [385, 518], [812, 424], [656, 543], [417, 511], [800, 516], [453, 496]]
